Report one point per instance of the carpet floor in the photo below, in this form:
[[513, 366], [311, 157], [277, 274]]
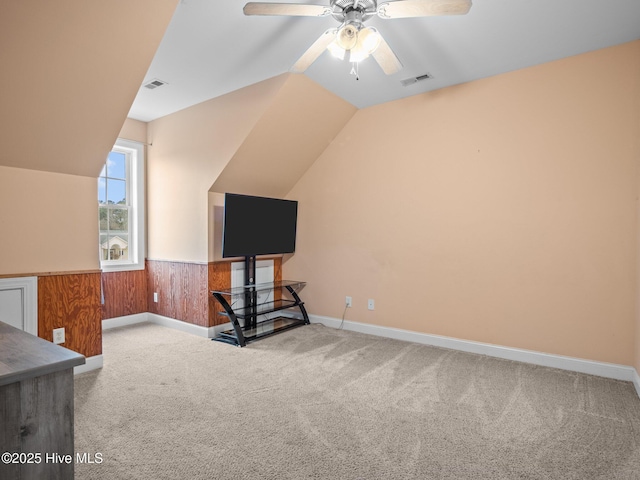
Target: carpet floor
[[321, 403]]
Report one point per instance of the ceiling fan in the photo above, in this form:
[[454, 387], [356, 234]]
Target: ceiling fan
[[352, 36]]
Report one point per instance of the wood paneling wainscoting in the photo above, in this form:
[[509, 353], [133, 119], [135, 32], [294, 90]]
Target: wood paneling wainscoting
[[182, 290], [71, 301], [219, 278], [124, 293]]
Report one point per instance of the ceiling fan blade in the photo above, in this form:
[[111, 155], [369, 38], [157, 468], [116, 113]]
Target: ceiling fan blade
[[290, 9], [386, 58], [314, 51], [423, 8]]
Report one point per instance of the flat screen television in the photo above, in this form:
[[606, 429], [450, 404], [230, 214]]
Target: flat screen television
[[258, 226]]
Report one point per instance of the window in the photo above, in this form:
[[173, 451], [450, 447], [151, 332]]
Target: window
[[121, 207]]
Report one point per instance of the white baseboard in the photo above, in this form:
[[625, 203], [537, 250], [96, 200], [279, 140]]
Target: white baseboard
[[124, 321], [207, 332], [91, 363], [602, 369]]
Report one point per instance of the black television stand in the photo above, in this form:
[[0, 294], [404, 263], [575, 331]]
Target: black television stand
[[251, 329]]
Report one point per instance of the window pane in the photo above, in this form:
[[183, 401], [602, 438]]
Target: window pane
[[116, 191], [118, 220], [118, 202], [116, 163], [115, 247], [118, 248], [102, 192], [104, 224], [104, 247]]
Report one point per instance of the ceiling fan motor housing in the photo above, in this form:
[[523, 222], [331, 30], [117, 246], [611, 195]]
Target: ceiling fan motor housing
[[351, 11]]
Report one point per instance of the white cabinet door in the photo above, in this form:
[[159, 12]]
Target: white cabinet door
[[19, 303], [11, 307]]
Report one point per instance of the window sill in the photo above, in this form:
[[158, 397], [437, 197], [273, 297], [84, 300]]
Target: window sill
[[122, 267]]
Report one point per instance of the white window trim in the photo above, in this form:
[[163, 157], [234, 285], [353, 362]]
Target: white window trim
[[137, 239]]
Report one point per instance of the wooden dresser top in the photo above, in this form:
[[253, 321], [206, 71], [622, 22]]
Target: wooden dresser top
[[24, 356]]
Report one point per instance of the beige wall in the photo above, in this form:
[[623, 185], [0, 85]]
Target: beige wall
[[637, 332], [49, 222], [302, 120], [501, 211], [70, 72], [134, 130], [258, 140], [189, 150]]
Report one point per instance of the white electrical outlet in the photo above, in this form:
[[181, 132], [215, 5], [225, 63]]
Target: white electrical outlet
[[371, 304], [58, 335], [155, 297], [348, 301]]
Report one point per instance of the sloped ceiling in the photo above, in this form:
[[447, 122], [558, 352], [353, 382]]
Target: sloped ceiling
[[70, 72], [301, 122], [211, 48]]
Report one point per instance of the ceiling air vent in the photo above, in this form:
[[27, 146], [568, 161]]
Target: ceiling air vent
[[410, 81], [155, 83]]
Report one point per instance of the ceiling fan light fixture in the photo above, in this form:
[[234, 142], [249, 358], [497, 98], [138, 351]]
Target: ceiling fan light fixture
[[356, 56], [347, 37], [336, 50], [368, 40]]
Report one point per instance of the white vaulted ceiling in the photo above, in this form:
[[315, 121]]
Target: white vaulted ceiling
[[211, 48]]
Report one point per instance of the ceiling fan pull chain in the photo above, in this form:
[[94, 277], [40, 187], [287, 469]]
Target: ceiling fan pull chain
[[355, 70]]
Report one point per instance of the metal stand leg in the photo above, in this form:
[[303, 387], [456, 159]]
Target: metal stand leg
[[300, 304], [232, 317]]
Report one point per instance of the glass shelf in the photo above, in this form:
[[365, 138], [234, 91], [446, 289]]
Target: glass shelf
[[259, 287], [252, 329], [263, 308], [262, 329]]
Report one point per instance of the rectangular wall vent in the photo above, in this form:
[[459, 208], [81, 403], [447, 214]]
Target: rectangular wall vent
[[410, 81], [155, 83]]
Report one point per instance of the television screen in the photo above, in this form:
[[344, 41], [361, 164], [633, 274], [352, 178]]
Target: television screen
[[258, 226]]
